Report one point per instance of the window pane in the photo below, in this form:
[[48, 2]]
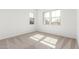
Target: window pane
[[46, 21], [54, 19], [53, 13], [31, 15], [56, 13], [47, 18], [47, 14]]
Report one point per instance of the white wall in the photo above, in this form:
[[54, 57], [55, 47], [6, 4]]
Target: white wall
[[15, 22], [67, 27], [78, 27]]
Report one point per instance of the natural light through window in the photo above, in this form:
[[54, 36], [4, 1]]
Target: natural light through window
[[31, 15], [49, 41], [52, 17], [50, 45], [37, 37], [47, 17]]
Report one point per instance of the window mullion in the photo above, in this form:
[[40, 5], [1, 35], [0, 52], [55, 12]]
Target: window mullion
[[50, 17]]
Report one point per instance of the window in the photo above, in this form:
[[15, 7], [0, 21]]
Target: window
[[47, 17], [31, 16], [52, 17]]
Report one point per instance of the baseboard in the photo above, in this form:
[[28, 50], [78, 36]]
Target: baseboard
[[78, 43], [57, 35], [14, 35]]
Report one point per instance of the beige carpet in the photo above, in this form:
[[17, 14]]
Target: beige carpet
[[38, 40]]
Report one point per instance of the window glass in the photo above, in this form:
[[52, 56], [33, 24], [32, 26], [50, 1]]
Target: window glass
[[31, 15], [52, 17]]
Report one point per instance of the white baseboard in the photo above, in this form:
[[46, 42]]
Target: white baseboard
[[13, 35]]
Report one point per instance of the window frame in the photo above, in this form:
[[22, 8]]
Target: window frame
[[31, 18], [50, 17]]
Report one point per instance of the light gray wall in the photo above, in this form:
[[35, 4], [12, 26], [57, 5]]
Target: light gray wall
[[67, 27], [78, 27], [15, 22]]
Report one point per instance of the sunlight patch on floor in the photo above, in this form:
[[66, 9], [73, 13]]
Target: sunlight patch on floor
[[50, 45], [50, 40], [37, 37], [34, 38]]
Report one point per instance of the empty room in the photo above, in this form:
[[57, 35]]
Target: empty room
[[38, 29]]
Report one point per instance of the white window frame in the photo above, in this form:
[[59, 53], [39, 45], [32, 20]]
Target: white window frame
[[32, 18], [50, 18]]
